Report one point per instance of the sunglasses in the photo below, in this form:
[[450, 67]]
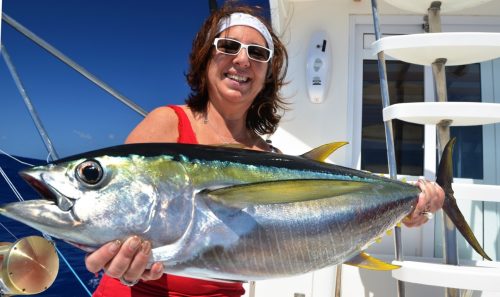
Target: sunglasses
[[232, 47]]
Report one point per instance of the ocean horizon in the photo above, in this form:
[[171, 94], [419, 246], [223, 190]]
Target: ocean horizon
[[66, 284]]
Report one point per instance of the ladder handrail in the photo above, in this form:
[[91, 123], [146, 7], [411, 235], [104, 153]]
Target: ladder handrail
[[391, 154]]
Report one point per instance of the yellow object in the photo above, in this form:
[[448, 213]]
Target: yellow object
[[28, 266], [364, 260], [322, 152]]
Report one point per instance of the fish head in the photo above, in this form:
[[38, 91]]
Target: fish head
[[90, 201]]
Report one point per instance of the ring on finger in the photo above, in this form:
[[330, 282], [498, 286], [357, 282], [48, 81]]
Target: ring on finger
[[128, 283], [428, 215]]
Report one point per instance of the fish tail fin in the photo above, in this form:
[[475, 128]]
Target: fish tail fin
[[450, 207]]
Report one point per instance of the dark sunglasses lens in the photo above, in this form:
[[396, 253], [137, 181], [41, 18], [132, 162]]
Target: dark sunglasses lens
[[258, 53], [228, 46]]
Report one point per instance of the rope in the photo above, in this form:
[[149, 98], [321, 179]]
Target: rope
[[46, 236], [14, 158]]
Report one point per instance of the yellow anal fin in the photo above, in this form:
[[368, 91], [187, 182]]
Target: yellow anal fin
[[363, 260], [284, 191], [322, 152]]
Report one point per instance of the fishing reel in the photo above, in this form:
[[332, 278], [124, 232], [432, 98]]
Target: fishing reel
[[27, 266]]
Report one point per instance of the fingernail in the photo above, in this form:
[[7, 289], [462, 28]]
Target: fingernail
[[134, 243], [114, 246], [146, 247], [158, 268]]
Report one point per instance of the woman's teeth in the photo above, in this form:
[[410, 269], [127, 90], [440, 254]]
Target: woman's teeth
[[237, 78]]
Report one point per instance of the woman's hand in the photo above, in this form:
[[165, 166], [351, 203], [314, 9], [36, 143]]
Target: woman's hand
[[126, 261], [430, 200]]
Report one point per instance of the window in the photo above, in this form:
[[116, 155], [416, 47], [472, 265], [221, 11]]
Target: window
[[464, 84], [406, 84]]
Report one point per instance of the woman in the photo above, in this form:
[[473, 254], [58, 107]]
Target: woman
[[237, 68]]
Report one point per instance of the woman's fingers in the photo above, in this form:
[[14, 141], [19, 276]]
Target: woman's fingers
[[127, 261], [429, 201], [137, 267], [437, 203], [99, 258], [121, 262], [155, 272], [434, 195], [414, 220]]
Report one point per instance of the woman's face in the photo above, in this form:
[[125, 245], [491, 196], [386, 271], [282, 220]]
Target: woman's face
[[236, 79]]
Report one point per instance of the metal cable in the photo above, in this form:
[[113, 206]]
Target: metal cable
[[52, 50]]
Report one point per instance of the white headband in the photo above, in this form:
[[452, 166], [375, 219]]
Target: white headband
[[244, 19]]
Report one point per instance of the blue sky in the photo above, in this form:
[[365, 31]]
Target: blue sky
[[139, 48]]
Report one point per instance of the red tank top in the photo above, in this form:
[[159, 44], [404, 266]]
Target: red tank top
[[169, 285], [186, 133]]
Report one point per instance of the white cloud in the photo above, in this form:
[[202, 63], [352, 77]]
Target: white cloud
[[83, 135], [111, 136]]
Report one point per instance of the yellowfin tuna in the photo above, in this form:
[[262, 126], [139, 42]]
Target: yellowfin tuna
[[224, 213]]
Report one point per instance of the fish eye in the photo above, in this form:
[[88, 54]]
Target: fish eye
[[90, 172]]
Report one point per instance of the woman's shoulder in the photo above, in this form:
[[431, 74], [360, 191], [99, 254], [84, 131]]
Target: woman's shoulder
[[162, 112], [168, 115], [160, 125]]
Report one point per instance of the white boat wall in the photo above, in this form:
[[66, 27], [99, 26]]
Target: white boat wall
[[338, 116]]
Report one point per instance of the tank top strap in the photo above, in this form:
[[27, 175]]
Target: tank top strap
[[186, 132]]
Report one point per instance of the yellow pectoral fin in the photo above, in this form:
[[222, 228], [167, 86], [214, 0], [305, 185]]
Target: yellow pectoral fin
[[322, 152], [363, 260], [284, 191]]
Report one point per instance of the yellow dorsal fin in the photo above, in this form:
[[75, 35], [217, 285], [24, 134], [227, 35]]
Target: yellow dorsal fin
[[322, 152], [363, 260]]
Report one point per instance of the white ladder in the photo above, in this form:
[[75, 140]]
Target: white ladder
[[438, 50]]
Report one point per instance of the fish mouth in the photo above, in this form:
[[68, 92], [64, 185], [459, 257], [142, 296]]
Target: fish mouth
[[35, 179]]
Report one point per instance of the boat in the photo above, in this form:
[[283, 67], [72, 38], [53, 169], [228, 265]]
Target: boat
[[334, 89]]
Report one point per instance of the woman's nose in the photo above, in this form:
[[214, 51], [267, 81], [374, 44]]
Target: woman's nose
[[241, 58]]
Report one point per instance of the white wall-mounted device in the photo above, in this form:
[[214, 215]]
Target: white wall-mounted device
[[318, 67]]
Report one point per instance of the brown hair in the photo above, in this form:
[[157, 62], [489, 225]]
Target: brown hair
[[263, 115]]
